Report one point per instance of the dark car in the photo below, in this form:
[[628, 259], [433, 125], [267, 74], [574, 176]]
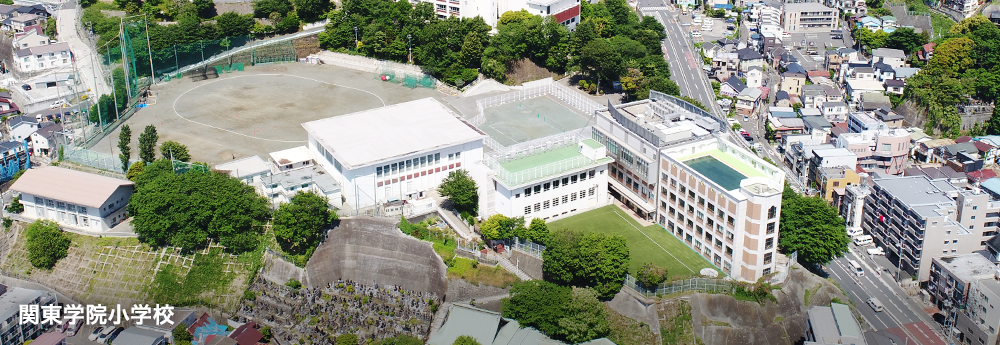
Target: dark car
[[26, 87]]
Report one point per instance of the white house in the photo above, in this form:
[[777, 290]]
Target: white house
[[551, 182], [892, 57], [76, 199], [755, 77], [33, 36], [44, 140], [20, 127], [396, 152], [834, 112], [859, 86], [43, 57]]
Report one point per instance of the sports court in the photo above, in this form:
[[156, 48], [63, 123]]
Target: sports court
[[531, 118], [259, 110]]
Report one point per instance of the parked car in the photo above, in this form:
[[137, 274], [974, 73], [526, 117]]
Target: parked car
[[114, 334], [57, 104], [730, 20], [73, 327], [26, 87], [876, 251], [746, 118], [96, 333], [103, 337]]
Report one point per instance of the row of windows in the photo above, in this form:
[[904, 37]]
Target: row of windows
[[60, 205], [544, 205], [411, 164], [62, 216], [565, 181], [621, 154], [640, 188], [416, 174]]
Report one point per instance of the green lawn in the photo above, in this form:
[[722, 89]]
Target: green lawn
[[646, 244]]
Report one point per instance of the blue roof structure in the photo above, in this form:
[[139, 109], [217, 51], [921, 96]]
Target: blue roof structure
[[991, 186], [210, 328]]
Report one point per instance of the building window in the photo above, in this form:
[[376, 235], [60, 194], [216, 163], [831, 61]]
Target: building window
[[770, 228], [50, 202], [701, 201], [592, 190], [729, 251], [546, 188], [731, 221], [527, 210], [538, 207], [83, 210], [768, 243], [565, 198], [378, 171], [545, 205], [527, 192], [572, 196], [555, 201], [772, 212], [767, 258]]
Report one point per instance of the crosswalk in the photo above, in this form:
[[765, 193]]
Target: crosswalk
[[655, 8]]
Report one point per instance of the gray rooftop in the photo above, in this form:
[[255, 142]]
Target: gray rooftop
[[11, 301], [968, 267], [138, 336], [312, 174], [889, 53], [916, 190], [244, 167], [464, 319]]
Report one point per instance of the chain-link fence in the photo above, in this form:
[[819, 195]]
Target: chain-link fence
[[707, 285], [573, 98], [528, 247]]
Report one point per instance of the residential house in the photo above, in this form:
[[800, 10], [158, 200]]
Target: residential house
[[732, 87], [72, 198], [888, 22], [799, 155], [755, 77], [747, 101], [247, 334], [45, 141], [726, 65], [792, 82], [813, 96], [880, 148], [883, 71], [20, 127], [926, 51], [834, 112], [809, 17], [815, 123], [945, 173], [834, 58], [795, 67], [19, 22], [36, 9], [7, 11], [929, 151], [782, 99], [856, 87], [33, 36], [979, 321], [43, 57], [871, 101], [709, 49], [892, 57], [988, 149], [917, 219], [749, 58], [786, 125], [832, 182], [888, 117], [895, 86], [992, 187], [968, 8], [977, 177], [904, 73], [833, 325], [860, 71], [870, 23], [832, 93]]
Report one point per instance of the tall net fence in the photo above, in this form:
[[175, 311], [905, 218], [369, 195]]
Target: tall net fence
[[563, 93], [707, 285]]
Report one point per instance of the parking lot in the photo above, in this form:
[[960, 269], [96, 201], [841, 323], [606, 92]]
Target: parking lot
[[718, 27]]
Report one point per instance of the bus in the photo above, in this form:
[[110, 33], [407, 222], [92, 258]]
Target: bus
[[837, 34]]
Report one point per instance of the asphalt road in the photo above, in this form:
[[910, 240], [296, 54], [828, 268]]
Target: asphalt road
[[901, 315], [83, 55]]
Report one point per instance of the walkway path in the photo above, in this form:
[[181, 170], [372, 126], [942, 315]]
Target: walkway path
[[66, 24]]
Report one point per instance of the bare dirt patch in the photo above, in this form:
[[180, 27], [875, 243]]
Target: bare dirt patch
[[306, 46], [527, 70]]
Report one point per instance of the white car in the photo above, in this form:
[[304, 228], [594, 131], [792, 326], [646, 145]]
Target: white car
[[695, 33], [96, 333], [785, 35], [57, 104], [876, 251]]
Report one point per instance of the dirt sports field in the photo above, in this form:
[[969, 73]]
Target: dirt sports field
[[259, 110]]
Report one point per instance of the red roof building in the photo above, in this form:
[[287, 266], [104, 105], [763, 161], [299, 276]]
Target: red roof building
[[247, 334]]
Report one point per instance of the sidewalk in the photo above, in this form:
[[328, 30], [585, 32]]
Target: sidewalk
[[66, 23]]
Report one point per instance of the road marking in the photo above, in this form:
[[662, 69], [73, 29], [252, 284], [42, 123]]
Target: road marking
[[654, 242]]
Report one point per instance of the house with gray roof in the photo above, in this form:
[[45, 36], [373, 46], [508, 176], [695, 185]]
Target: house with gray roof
[[749, 57], [139, 336], [892, 57], [732, 87], [43, 57], [490, 328]]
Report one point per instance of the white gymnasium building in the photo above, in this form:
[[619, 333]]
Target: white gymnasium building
[[566, 12], [396, 152], [550, 181], [75, 199]]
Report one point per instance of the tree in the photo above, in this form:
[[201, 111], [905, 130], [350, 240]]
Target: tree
[[347, 339], [204, 8], [601, 60], [585, 320], [46, 244], [465, 340], [185, 210], [538, 232], [953, 56], [147, 144], [181, 334], [50, 28], [124, 141], [266, 332], [233, 24], [311, 10], [15, 205], [135, 170], [905, 39], [879, 12], [264, 8], [574, 315], [494, 228], [298, 225], [461, 190], [175, 150], [874, 3], [651, 275], [586, 259], [812, 227], [11, 2]]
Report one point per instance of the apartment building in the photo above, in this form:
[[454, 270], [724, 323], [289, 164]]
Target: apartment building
[[881, 149], [979, 321], [635, 133], [43, 57], [916, 219], [724, 202], [951, 276], [809, 17], [549, 181], [832, 182], [12, 330], [851, 205]]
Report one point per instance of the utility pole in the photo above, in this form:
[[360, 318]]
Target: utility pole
[[355, 38], [410, 38]]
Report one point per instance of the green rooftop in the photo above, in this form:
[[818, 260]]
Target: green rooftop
[[534, 161], [592, 143]]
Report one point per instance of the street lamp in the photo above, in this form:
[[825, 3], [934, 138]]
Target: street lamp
[[355, 38], [410, 38]]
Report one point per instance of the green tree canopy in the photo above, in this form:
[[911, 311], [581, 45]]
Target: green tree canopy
[[347, 339], [811, 227], [135, 170], [311, 10], [537, 232], [124, 146], [234, 24], [176, 150], [499, 227], [46, 244], [595, 260], [15, 205], [651, 275], [905, 39], [264, 8], [181, 333], [601, 60], [299, 225], [572, 315], [147, 144], [465, 340], [187, 209], [461, 189]]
